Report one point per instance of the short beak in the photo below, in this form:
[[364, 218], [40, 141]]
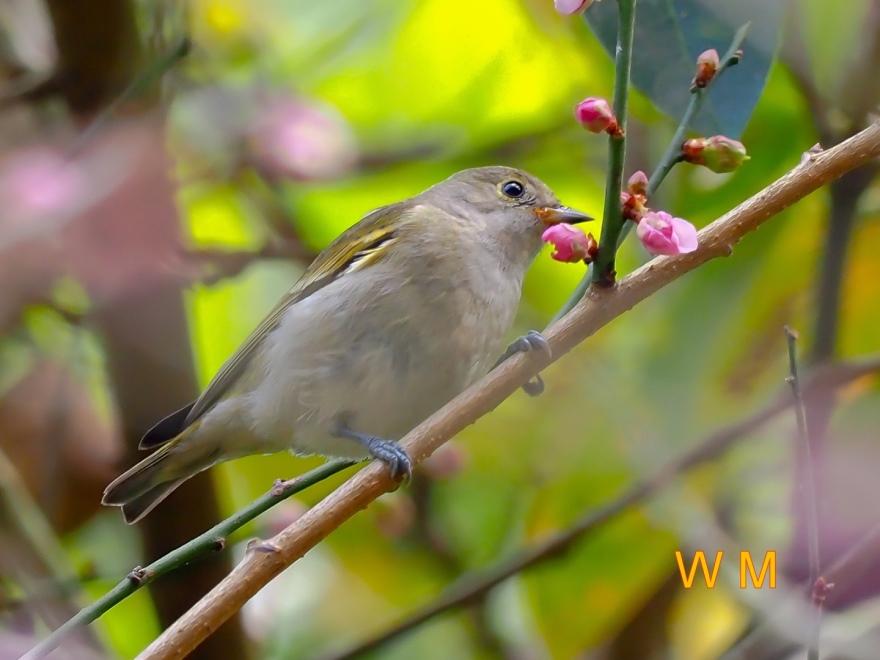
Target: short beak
[[555, 216]]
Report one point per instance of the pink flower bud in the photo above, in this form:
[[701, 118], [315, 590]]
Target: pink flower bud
[[718, 153], [568, 7], [660, 233], [292, 138], [570, 244], [707, 65], [595, 115], [638, 183]]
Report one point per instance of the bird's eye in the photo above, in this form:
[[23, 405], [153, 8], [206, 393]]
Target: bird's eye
[[512, 189]]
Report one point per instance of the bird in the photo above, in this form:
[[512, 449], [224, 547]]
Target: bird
[[397, 316]]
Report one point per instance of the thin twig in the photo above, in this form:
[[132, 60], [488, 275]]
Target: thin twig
[[808, 488], [138, 86], [471, 588], [204, 544], [598, 308], [612, 219], [698, 95], [667, 162]]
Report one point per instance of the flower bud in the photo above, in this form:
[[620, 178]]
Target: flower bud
[[570, 244], [596, 116], [568, 7], [633, 206], [661, 233], [638, 183], [707, 65], [718, 153]]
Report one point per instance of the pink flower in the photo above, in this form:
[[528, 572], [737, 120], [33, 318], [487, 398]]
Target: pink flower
[[39, 181], [595, 115], [570, 245], [660, 233], [293, 138], [568, 7]]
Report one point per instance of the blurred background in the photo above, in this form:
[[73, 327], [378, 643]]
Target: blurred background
[[168, 169]]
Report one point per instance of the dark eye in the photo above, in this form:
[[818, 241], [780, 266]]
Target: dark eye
[[512, 189]]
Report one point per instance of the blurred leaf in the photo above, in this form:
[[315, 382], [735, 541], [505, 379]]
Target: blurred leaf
[[669, 36]]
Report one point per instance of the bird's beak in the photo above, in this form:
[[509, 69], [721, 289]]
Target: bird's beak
[[559, 214]]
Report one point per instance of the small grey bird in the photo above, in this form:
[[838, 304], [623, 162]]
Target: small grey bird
[[401, 313]]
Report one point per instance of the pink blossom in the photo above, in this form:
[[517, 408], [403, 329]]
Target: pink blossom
[[39, 181], [446, 462], [293, 138], [595, 115], [661, 233], [570, 244], [568, 7]]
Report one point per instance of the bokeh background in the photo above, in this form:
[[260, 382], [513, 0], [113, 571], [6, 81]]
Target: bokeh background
[[167, 170]]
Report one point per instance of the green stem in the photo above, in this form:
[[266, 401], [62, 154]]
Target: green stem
[[612, 220], [212, 540], [664, 167]]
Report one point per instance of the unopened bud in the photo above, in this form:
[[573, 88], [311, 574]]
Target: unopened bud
[[718, 153], [638, 183], [633, 206], [596, 116], [707, 65]]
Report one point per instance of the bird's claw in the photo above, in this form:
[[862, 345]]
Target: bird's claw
[[393, 454], [534, 387], [531, 341], [387, 451]]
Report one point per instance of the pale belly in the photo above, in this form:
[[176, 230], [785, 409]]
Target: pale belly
[[372, 366]]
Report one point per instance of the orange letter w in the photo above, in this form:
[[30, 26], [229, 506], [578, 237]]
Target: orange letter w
[[699, 558]]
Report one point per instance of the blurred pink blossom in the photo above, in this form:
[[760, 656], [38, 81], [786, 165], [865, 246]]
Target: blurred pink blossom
[[661, 233], [37, 182], [446, 462], [296, 139]]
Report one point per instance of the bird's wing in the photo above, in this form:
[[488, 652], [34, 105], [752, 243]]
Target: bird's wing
[[359, 246]]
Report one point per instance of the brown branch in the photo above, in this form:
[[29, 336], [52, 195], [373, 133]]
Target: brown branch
[[598, 308], [472, 588]]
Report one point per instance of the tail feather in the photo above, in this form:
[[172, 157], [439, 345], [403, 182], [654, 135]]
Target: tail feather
[[140, 479], [135, 509]]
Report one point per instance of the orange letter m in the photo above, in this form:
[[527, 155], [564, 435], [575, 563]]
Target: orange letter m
[[747, 569], [699, 558]]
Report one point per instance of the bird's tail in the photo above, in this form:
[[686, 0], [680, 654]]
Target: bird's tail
[[142, 487]]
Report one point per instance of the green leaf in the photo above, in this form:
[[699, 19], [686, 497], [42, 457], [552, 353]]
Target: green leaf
[[670, 34]]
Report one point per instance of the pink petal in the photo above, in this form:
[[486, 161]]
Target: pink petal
[[569, 6], [687, 235]]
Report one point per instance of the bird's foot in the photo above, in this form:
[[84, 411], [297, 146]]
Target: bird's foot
[[531, 341], [387, 451]]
